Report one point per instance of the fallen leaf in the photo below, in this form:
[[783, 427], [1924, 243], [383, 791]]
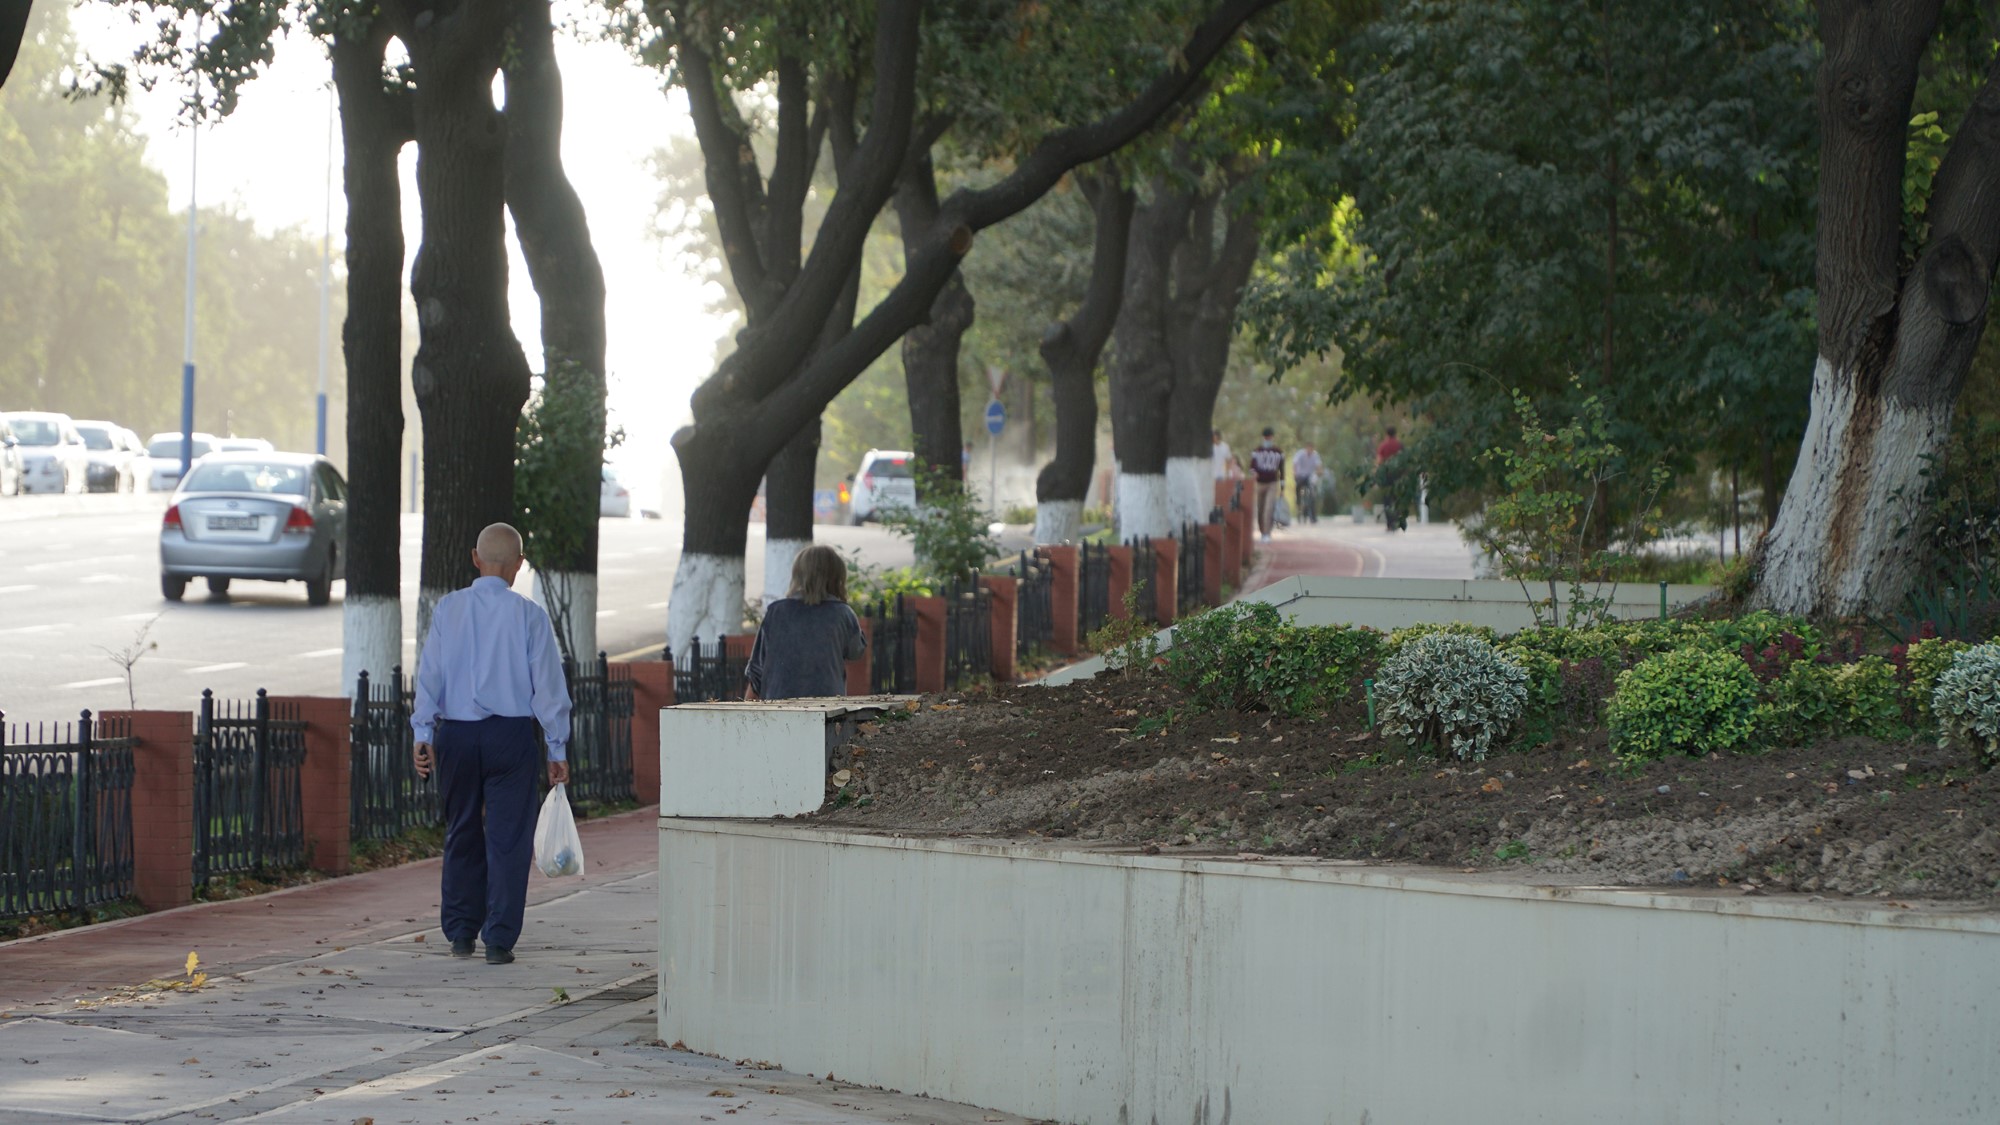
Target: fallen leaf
[[192, 962], [1230, 739], [622, 1094], [190, 1061], [1492, 786], [728, 1093], [420, 937]]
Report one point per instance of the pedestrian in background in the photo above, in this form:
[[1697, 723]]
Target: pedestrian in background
[[1220, 458], [1389, 472], [808, 636], [490, 670], [1267, 462], [1305, 478]]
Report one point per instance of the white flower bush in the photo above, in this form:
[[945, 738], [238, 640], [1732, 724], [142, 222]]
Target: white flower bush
[[1966, 702], [1451, 691]]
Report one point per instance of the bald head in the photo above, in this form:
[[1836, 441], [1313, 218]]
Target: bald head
[[498, 553]]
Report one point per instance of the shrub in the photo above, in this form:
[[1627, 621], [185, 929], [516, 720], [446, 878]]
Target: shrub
[[1687, 701], [1923, 662], [1450, 691], [1870, 700], [1399, 637], [1966, 703], [1799, 703], [1248, 657], [1760, 629]]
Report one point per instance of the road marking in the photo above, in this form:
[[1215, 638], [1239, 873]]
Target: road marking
[[17, 589], [105, 682], [19, 629], [231, 666], [607, 613], [146, 616], [100, 578], [323, 652], [656, 605]]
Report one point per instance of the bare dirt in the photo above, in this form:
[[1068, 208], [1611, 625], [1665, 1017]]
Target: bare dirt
[[1115, 763]]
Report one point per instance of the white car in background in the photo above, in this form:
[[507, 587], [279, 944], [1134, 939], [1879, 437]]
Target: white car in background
[[115, 456], [53, 455], [613, 498], [163, 458], [244, 445], [886, 480]]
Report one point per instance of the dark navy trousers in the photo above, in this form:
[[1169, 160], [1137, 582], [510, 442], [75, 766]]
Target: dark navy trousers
[[486, 769]]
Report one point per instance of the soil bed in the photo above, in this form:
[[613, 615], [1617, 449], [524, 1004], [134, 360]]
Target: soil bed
[[1127, 763]]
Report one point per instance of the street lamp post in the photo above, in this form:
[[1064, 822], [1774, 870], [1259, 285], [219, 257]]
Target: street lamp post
[[187, 326], [325, 283]]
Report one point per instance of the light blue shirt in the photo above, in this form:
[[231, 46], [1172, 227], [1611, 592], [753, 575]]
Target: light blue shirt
[[492, 652]]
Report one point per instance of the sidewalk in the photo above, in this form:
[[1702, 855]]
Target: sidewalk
[[1337, 547], [340, 1002]]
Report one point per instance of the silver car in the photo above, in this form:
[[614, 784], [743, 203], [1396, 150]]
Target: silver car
[[279, 517], [53, 456]]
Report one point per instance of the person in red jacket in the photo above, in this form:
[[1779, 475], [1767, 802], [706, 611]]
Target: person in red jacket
[[1389, 473], [1267, 462]]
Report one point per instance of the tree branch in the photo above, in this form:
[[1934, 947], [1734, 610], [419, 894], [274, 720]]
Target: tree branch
[[791, 173], [730, 168], [1113, 203]]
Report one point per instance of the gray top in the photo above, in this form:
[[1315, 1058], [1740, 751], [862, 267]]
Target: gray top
[[802, 650]]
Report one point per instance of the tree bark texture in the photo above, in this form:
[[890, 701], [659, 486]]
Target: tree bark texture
[[1071, 349], [780, 377], [1896, 337], [470, 375], [375, 123], [930, 349], [1142, 368]]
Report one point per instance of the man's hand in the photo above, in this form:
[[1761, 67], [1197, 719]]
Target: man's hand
[[423, 759], [558, 773]]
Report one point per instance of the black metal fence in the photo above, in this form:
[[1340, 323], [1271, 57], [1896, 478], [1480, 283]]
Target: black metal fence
[[1093, 588], [386, 797], [1145, 576], [892, 648], [708, 672], [968, 632], [1034, 613], [65, 816], [1193, 576], [600, 738], [247, 814]]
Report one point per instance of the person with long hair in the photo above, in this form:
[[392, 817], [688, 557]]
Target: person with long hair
[[807, 636]]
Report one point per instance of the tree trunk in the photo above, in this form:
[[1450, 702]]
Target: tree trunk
[[1209, 286], [1071, 349], [707, 597], [569, 282], [1895, 339], [1142, 366], [930, 350], [788, 509], [374, 125], [470, 375]]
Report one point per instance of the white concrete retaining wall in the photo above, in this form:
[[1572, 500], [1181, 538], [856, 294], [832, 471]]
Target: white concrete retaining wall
[[735, 759], [1137, 989]]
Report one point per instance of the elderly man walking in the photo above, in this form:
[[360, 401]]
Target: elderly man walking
[[490, 670]]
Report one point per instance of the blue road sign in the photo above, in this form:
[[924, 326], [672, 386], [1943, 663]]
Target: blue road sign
[[996, 417]]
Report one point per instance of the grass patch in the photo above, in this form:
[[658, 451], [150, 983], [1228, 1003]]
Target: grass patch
[[12, 928]]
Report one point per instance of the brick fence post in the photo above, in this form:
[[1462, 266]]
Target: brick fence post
[[1006, 596], [858, 668], [1214, 542], [652, 689], [327, 813], [1232, 546], [162, 806], [1249, 546], [1121, 581], [930, 642], [1166, 579], [1063, 579]]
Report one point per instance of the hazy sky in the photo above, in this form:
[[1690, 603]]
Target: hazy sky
[[271, 158]]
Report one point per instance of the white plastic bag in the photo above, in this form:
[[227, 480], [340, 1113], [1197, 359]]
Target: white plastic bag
[[558, 849]]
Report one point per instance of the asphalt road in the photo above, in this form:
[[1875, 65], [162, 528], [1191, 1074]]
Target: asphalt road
[[79, 583]]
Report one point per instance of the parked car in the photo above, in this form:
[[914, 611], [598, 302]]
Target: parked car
[[163, 458], [114, 456], [885, 481], [53, 456], [613, 498], [10, 460], [276, 517]]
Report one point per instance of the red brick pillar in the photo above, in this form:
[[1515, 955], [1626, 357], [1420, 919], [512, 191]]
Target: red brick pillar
[[162, 806], [1224, 489], [1166, 579], [1232, 545], [857, 668], [652, 689], [1214, 541], [1063, 579], [1249, 530], [930, 642], [324, 780], [1006, 595], [1121, 581]]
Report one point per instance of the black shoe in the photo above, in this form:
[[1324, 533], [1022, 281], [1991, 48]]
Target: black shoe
[[497, 956], [462, 948]]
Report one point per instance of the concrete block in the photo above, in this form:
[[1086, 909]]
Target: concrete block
[[742, 759]]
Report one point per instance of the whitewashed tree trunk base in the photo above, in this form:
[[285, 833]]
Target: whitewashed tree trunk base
[[427, 600], [1190, 490], [371, 639], [707, 600], [1845, 542], [577, 623], [1058, 521], [1142, 505], [779, 554]]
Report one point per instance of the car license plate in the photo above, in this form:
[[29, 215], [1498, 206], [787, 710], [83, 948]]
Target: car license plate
[[232, 523]]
